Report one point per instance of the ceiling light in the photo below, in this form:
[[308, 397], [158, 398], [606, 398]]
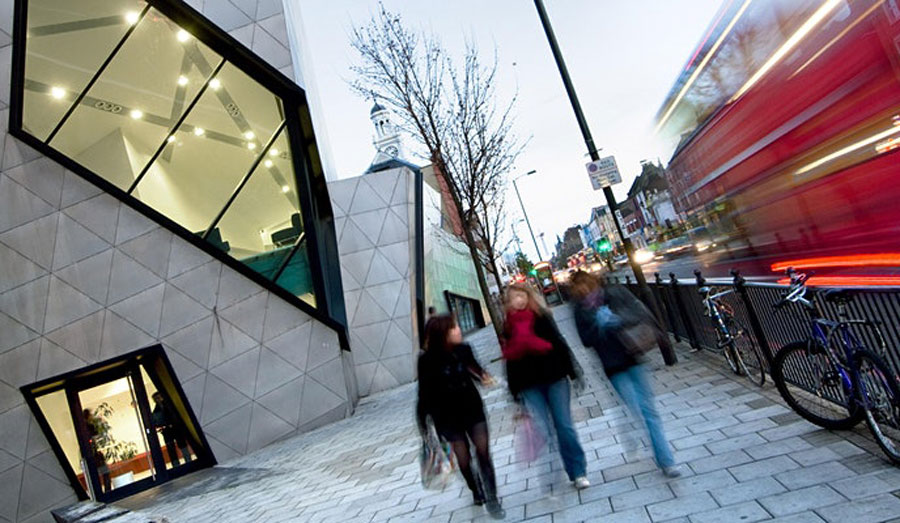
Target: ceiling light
[[131, 17], [285, 189], [199, 131], [268, 163], [251, 145], [182, 35], [273, 152], [57, 92], [171, 138], [182, 80], [137, 114], [215, 84], [249, 135]]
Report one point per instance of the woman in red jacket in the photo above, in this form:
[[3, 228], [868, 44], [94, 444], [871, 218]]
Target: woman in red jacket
[[538, 367]]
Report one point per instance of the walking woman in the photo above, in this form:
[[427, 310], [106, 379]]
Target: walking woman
[[447, 393], [538, 367], [600, 312]]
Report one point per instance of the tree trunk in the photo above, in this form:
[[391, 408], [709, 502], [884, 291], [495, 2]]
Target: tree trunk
[[473, 252]]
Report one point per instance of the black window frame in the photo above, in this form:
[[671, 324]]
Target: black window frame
[[315, 205], [98, 374]]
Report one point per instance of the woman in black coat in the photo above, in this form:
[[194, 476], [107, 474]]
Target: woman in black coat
[[447, 394]]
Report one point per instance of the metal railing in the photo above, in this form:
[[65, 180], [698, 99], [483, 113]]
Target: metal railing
[[770, 330]]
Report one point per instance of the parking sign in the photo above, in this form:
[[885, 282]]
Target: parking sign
[[603, 172]]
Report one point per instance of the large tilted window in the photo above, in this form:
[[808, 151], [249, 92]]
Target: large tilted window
[[141, 102]]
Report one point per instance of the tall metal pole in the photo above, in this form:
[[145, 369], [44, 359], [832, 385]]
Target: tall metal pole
[[540, 258], [664, 345]]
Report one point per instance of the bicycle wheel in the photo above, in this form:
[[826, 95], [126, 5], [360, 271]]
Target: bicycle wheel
[[726, 345], [750, 360], [879, 395], [814, 387]]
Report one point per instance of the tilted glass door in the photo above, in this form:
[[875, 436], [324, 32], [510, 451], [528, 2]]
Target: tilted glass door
[[116, 435]]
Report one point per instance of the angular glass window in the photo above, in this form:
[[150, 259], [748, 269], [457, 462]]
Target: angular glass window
[[67, 41], [264, 228], [122, 90]]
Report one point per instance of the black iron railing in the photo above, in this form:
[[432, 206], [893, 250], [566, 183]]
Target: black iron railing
[[770, 330]]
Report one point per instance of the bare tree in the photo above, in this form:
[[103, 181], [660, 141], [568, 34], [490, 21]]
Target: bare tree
[[455, 116]]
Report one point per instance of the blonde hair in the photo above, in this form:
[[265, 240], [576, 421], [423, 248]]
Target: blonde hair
[[535, 301]]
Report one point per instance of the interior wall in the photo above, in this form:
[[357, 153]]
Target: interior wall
[[84, 278]]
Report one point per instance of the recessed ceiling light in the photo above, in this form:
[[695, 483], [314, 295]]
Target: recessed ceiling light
[[132, 17], [268, 163], [171, 138], [273, 152], [251, 145], [182, 35], [199, 131], [215, 84], [57, 92], [285, 188], [137, 114], [182, 80], [249, 135]]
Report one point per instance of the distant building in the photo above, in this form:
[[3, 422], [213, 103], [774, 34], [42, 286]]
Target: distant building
[[650, 204]]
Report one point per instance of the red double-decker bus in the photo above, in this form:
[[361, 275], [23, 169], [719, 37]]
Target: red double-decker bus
[[785, 125]]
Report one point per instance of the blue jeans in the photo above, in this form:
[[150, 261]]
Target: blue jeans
[[552, 401], [635, 391]]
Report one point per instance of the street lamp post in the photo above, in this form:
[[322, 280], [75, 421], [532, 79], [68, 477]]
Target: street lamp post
[[525, 213], [664, 344]]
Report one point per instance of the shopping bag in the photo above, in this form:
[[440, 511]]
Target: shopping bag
[[529, 441], [435, 461]]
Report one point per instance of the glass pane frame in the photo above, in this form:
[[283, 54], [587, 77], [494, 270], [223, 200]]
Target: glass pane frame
[[154, 360], [320, 240]]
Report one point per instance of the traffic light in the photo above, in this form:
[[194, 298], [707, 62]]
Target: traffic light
[[533, 272], [603, 245]]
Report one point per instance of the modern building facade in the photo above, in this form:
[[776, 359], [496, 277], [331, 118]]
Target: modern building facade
[[170, 290]]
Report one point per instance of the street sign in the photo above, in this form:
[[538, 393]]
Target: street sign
[[603, 172]]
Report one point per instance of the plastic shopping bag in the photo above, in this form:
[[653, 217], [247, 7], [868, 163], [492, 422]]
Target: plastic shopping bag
[[435, 461], [607, 319], [529, 441]]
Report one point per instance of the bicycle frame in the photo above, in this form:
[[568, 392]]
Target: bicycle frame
[[712, 305], [825, 333]]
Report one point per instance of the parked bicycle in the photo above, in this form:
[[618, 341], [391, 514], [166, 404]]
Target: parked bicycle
[[832, 378], [732, 340]]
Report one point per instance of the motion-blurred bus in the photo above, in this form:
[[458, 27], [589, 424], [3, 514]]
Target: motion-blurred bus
[[785, 125]]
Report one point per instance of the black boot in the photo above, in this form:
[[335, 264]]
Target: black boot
[[495, 509]]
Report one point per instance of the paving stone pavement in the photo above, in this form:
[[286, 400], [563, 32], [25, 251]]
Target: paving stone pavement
[[745, 458]]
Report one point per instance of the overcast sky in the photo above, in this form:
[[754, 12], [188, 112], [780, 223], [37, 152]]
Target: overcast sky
[[623, 56]]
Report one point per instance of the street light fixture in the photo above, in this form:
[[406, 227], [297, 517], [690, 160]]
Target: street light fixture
[[536, 248]]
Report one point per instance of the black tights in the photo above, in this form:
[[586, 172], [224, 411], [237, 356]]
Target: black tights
[[478, 435]]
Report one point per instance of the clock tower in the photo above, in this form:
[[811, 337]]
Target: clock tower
[[387, 136]]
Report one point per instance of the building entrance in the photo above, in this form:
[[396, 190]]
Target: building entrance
[[121, 426]]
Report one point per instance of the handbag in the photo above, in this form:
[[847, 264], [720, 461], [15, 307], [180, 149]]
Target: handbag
[[529, 441], [435, 461], [638, 339]]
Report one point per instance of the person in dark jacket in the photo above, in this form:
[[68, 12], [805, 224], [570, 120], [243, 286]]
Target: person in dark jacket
[[538, 368], [169, 424], [601, 310], [448, 372]]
